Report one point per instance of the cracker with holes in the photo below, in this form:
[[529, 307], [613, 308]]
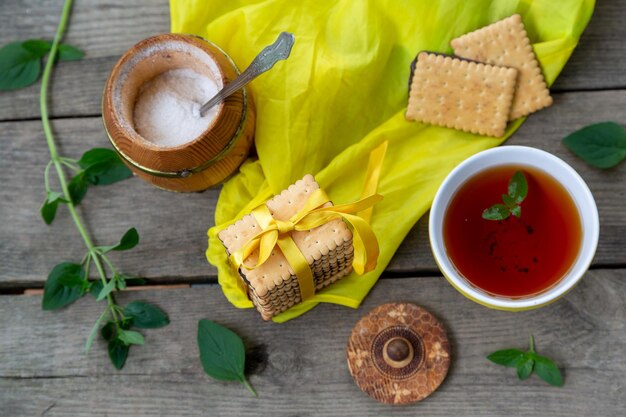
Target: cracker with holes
[[460, 94], [273, 286], [506, 43]]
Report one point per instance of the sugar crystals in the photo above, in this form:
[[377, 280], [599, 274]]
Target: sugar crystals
[[167, 110]]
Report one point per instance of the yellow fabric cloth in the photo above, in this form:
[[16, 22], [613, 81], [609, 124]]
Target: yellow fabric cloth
[[342, 92]]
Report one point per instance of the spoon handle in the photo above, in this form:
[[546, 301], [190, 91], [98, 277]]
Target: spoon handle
[[264, 61]]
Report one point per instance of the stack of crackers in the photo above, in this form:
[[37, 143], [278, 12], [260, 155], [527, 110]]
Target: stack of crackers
[[273, 286], [493, 79]]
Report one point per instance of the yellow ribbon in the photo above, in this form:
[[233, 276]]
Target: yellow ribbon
[[313, 214], [374, 166]]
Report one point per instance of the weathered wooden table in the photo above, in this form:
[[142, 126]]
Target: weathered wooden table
[[43, 368]]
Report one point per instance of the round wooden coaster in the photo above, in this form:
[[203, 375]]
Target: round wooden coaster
[[398, 353]]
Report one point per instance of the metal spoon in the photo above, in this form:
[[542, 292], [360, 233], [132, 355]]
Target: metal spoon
[[264, 61]]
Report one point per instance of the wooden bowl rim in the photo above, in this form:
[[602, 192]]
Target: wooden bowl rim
[[113, 116]]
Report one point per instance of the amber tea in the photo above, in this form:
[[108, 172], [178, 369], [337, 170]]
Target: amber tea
[[515, 257]]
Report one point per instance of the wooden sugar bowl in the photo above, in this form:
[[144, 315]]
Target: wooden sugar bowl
[[194, 165]]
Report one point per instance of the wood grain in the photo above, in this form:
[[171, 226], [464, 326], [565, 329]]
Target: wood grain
[[173, 226], [300, 365], [302, 368], [106, 30]]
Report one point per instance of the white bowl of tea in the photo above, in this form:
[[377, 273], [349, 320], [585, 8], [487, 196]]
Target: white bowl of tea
[[513, 228]]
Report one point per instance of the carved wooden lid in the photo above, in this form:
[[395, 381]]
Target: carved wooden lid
[[398, 353]]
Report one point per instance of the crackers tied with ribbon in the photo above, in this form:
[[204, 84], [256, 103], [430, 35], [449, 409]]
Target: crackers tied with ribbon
[[506, 43], [460, 94], [273, 285]]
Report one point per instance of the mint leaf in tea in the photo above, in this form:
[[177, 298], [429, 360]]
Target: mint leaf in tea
[[518, 190]]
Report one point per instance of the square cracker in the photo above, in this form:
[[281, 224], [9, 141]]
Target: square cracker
[[461, 94], [506, 43]]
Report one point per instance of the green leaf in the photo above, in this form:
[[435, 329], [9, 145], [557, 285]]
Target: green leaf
[[95, 156], [518, 187], [70, 53], [146, 315], [100, 166], [106, 290], [128, 241], [94, 330], [40, 48], [222, 353], [548, 371], [19, 67], [103, 166], [37, 47], [78, 187], [126, 323], [55, 294], [55, 196], [507, 357], [118, 352], [74, 281], [509, 201], [120, 282], [496, 212], [130, 337], [601, 145], [96, 288], [525, 367], [106, 173], [109, 331], [50, 205], [49, 210], [517, 192]]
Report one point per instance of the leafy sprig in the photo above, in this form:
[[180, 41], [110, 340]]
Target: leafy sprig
[[601, 145], [527, 362], [222, 353], [517, 192], [120, 338], [97, 166], [20, 62], [20, 65]]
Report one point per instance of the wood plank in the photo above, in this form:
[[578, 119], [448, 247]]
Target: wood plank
[[601, 52], [106, 30], [304, 371], [173, 226]]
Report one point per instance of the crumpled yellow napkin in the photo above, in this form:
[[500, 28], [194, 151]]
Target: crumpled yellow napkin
[[343, 91]]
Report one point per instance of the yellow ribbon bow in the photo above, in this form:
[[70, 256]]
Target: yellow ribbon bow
[[313, 214]]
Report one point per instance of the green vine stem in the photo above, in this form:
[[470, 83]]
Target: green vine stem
[[57, 161]]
